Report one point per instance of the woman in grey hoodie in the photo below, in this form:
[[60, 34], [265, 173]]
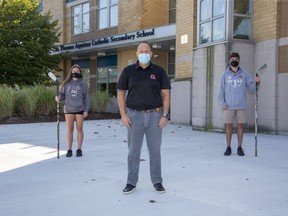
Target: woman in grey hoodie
[[75, 94], [232, 98]]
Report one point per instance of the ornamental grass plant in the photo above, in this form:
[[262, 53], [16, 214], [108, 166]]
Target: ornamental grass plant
[[7, 101], [98, 101]]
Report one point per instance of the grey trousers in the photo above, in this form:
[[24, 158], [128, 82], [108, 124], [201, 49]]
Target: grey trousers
[[148, 124]]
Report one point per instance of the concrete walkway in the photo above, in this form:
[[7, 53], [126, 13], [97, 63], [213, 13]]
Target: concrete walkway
[[198, 179]]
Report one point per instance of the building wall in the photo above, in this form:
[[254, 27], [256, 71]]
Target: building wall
[[202, 67], [271, 47], [267, 48], [185, 29], [154, 13], [56, 8], [283, 5], [282, 104], [265, 19], [180, 110], [129, 15]]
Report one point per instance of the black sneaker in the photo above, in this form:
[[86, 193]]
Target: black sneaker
[[69, 153], [240, 151], [159, 188], [129, 189], [228, 151], [79, 153]]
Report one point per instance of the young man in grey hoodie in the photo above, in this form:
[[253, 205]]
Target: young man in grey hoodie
[[232, 98]]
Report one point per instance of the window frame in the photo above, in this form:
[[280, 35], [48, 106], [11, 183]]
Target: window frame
[[172, 10], [81, 15], [109, 14], [108, 80], [229, 17], [249, 15], [210, 21]]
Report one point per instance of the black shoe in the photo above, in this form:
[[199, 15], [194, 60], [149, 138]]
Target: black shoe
[[228, 151], [69, 153], [159, 188], [129, 189], [240, 151], [79, 153]]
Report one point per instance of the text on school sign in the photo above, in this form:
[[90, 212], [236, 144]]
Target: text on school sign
[[107, 40]]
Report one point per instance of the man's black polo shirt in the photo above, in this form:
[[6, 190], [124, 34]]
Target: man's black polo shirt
[[144, 86]]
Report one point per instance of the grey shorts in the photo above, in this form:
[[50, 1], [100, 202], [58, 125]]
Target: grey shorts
[[231, 115]]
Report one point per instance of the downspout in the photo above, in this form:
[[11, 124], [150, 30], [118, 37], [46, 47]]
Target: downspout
[[209, 88]]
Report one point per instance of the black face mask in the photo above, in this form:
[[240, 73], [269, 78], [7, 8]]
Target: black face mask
[[234, 63], [76, 75]]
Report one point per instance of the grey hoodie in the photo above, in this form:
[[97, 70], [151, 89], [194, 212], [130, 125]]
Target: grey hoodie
[[76, 96], [233, 85]]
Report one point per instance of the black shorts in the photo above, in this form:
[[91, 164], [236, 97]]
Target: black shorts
[[76, 113]]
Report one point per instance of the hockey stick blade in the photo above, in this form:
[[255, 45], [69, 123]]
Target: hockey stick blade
[[52, 76], [264, 66]]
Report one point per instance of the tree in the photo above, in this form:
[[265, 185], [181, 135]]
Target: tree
[[27, 39]]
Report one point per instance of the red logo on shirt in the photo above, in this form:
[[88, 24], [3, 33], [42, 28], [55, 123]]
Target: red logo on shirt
[[152, 76]]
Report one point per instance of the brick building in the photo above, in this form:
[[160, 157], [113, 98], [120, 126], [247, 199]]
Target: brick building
[[192, 40]]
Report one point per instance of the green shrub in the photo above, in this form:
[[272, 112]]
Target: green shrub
[[7, 101]]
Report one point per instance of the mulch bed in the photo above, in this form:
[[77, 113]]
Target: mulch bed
[[38, 119]]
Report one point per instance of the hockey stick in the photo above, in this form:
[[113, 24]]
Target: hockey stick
[[54, 78], [256, 110]]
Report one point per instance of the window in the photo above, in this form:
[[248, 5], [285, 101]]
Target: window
[[172, 11], [171, 64], [108, 13], [106, 76], [242, 19], [220, 20], [107, 80], [80, 18], [212, 21]]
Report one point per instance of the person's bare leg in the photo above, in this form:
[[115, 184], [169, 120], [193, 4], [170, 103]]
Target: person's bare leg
[[69, 127], [240, 132], [79, 127], [229, 128]]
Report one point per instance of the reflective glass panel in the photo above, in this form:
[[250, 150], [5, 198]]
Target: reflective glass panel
[[172, 16], [218, 7], [85, 8], [103, 3], [172, 4], [114, 16], [85, 24], [103, 19], [242, 7], [113, 2], [205, 33], [76, 25], [76, 10], [218, 29], [205, 9], [242, 27]]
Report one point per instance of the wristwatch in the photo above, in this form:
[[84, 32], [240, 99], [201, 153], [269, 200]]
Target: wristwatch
[[166, 115]]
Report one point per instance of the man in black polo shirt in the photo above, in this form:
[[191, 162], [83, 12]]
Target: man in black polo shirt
[[145, 111]]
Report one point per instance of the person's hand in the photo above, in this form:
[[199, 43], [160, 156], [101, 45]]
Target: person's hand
[[225, 107], [126, 121], [163, 122], [57, 99], [85, 114], [257, 79]]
